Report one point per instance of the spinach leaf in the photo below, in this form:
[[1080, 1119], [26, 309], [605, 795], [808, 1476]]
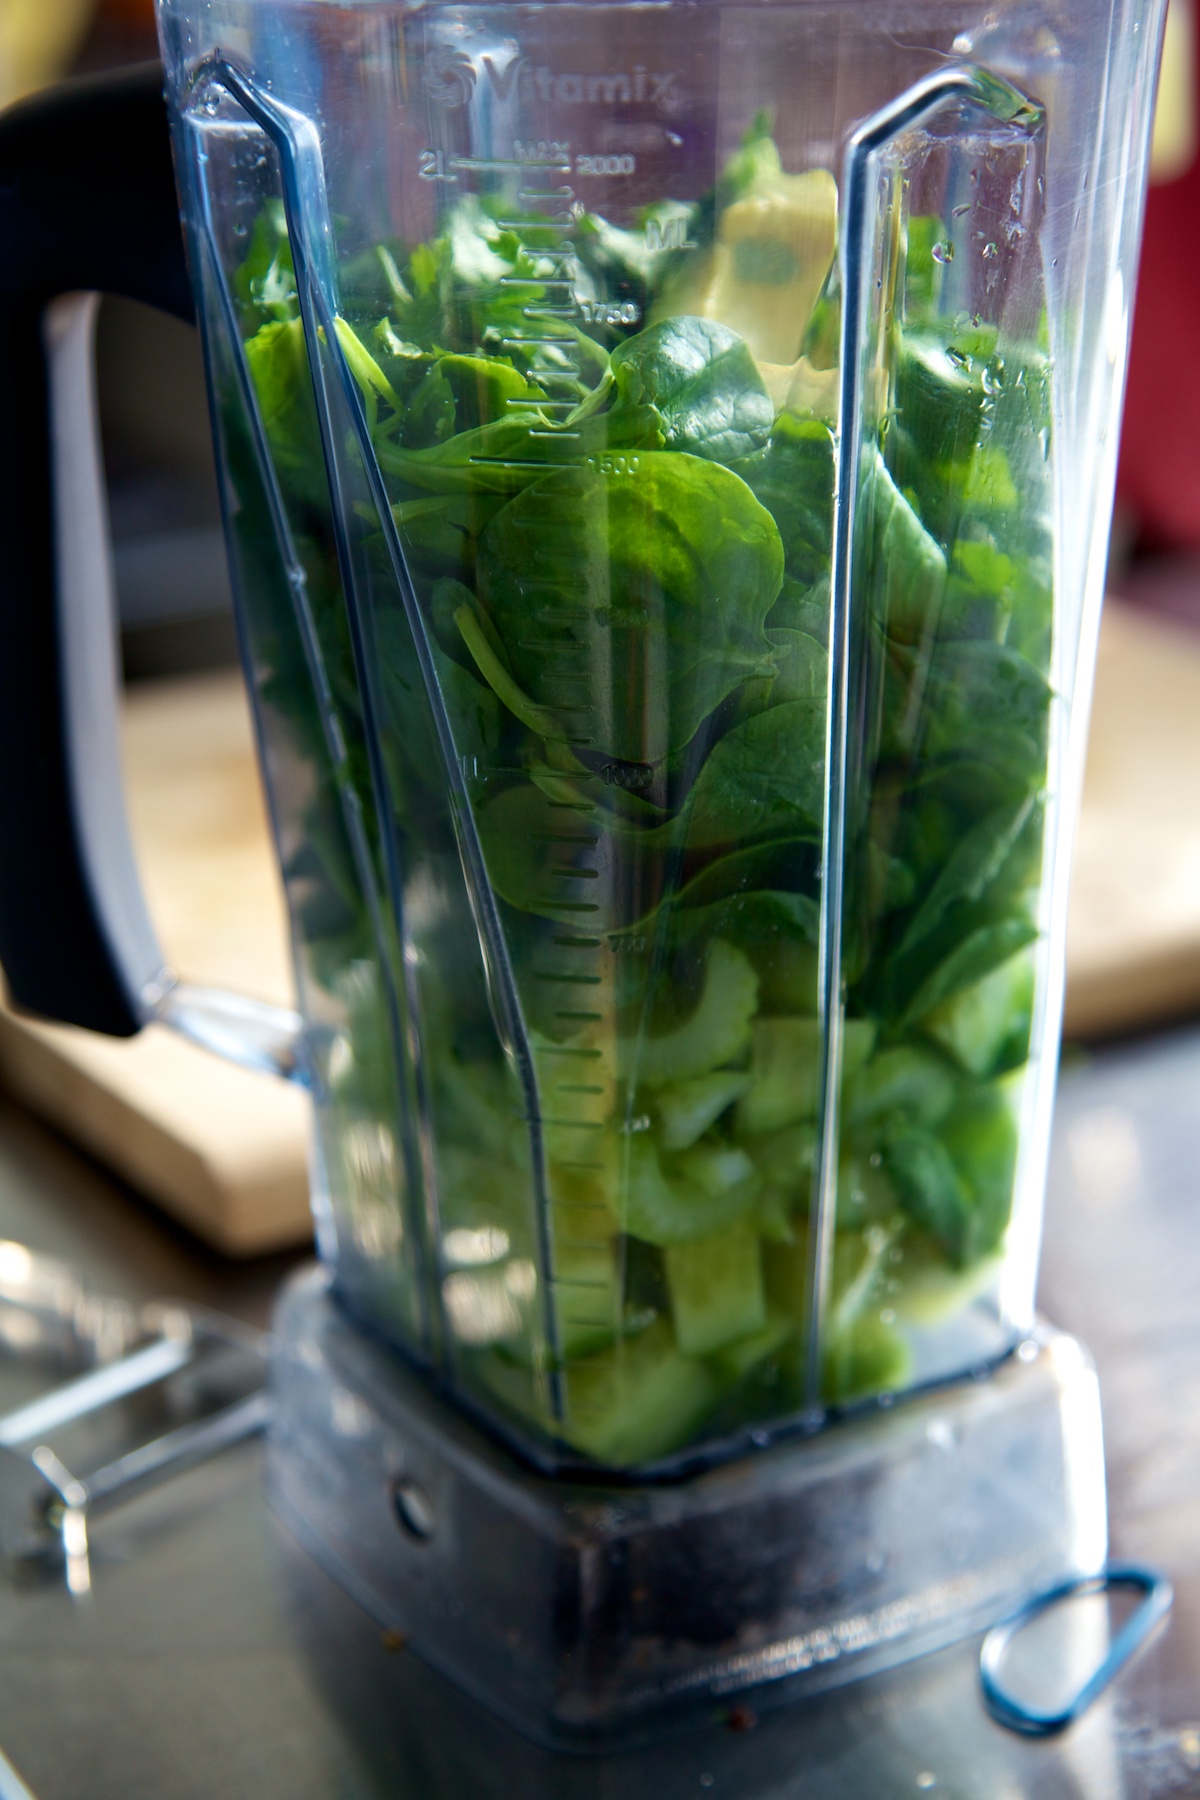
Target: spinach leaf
[[986, 702], [702, 382], [930, 1188], [764, 778], [803, 609], [502, 457], [793, 478], [901, 566], [264, 284], [440, 532], [802, 666], [463, 393], [633, 604], [784, 863], [977, 955], [278, 364], [973, 864], [549, 858], [957, 1184]]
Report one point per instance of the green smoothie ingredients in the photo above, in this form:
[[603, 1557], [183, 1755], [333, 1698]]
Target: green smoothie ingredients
[[617, 515]]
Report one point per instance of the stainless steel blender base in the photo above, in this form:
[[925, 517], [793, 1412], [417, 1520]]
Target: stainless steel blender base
[[586, 1615]]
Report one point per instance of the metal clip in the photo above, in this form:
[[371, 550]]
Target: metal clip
[[1033, 1721], [211, 1372]]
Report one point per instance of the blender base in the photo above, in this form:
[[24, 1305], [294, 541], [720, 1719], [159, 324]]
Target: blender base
[[588, 1615]]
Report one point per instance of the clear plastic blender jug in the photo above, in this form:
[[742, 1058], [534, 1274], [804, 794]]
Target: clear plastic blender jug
[[667, 457]]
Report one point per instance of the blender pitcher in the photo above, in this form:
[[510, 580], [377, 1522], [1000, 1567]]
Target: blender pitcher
[[667, 456]]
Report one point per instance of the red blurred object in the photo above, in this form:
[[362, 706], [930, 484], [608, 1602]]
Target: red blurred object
[[1159, 476]]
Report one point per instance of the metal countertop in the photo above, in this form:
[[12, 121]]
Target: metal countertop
[[213, 1661]]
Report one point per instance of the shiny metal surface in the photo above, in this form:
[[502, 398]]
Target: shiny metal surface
[[212, 1659]]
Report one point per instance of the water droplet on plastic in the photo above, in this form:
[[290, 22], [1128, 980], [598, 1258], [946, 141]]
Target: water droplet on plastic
[[943, 253], [958, 359], [240, 230], [958, 211], [990, 250], [990, 381]]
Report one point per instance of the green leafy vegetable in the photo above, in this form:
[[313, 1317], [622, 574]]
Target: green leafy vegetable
[[614, 496], [703, 383], [633, 604]]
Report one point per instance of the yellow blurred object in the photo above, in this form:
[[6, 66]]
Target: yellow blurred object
[[1173, 145], [38, 39], [799, 387], [774, 249], [763, 276]]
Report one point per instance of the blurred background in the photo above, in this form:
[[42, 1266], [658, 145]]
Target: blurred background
[[172, 587]]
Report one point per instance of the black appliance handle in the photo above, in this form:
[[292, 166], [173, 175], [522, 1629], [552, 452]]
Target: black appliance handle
[[88, 205]]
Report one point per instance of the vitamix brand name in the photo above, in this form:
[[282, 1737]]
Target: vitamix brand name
[[453, 76], [639, 84]]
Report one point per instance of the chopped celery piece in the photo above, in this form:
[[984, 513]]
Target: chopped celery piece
[[688, 1108], [868, 1357], [718, 1030], [638, 1401], [737, 1360], [786, 1157], [785, 1276], [716, 1288], [987, 1025], [587, 1294], [907, 1082], [712, 1189], [927, 1291], [785, 1068]]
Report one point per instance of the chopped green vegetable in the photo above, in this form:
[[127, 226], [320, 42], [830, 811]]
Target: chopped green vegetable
[[599, 795], [716, 1290]]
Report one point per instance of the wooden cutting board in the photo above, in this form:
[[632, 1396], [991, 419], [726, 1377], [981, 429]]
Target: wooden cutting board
[[221, 1148], [1133, 937], [224, 1150]]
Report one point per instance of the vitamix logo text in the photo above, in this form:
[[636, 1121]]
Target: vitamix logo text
[[453, 76]]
